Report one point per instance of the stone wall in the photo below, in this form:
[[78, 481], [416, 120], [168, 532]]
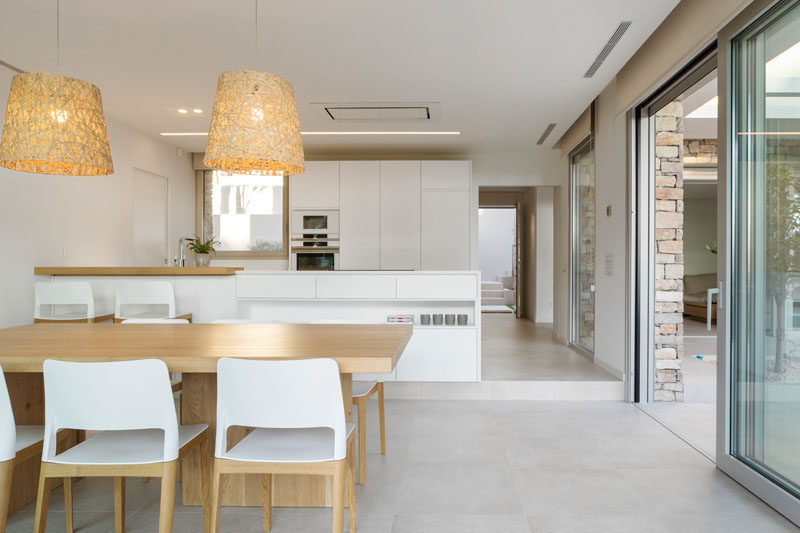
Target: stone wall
[[585, 191], [669, 253], [700, 152]]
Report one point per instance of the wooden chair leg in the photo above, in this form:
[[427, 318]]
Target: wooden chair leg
[[382, 417], [6, 472], [68, 504], [351, 485], [362, 441], [42, 501], [119, 504], [266, 498], [205, 483], [167, 508], [215, 497], [339, 473]]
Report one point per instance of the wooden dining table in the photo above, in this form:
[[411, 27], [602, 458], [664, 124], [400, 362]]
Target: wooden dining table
[[193, 350]]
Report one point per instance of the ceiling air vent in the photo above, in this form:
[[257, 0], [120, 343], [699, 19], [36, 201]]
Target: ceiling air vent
[[604, 53], [546, 132], [378, 111]]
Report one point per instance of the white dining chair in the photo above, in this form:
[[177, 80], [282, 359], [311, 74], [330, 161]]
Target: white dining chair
[[142, 294], [17, 445], [175, 377], [362, 392], [75, 294], [297, 410], [130, 404]]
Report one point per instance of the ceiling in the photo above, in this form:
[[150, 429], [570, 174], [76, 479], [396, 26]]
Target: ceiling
[[501, 71]]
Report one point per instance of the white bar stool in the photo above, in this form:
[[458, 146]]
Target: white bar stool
[[130, 403], [362, 392], [145, 293], [300, 429], [71, 293]]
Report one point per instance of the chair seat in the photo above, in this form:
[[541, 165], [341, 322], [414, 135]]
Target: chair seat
[[145, 314], [27, 436], [306, 445], [362, 388], [74, 315], [141, 446]]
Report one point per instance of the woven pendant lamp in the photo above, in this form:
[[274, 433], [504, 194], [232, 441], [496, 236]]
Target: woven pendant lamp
[[55, 125], [254, 126]]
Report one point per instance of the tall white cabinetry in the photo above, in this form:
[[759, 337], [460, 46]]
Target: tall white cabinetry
[[360, 215], [317, 187], [400, 215], [445, 204]]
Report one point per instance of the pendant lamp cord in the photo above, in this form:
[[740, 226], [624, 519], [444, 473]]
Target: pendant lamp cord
[[58, 33], [255, 40]]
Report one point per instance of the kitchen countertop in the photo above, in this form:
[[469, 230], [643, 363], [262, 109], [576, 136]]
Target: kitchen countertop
[[136, 271]]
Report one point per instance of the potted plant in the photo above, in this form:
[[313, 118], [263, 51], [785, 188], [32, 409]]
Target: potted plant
[[203, 250]]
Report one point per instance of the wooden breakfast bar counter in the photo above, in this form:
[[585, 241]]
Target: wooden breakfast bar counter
[[194, 350]]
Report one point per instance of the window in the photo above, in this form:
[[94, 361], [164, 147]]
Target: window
[[247, 214]]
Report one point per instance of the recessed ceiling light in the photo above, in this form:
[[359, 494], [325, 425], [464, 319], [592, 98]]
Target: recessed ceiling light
[[200, 133], [182, 110], [197, 111]]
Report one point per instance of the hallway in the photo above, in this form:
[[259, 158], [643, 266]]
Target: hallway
[[522, 350]]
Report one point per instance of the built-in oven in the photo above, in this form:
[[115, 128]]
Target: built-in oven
[[314, 240]]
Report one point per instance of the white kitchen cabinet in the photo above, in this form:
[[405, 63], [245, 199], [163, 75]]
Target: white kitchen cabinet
[[276, 287], [440, 355], [452, 175], [317, 187], [400, 215], [360, 216], [364, 286], [445, 230], [436, 287]]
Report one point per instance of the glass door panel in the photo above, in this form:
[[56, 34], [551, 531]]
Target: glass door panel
[[765, 311], [583, 246]]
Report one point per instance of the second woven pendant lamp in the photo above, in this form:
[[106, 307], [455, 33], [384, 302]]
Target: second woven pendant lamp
[[254, 125]]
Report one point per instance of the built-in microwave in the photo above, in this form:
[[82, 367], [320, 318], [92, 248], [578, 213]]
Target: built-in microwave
[[322, 222]]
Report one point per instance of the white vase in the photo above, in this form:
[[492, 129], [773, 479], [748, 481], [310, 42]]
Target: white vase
[[202, 260]]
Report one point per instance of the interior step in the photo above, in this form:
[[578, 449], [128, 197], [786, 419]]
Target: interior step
[[493, 301], [507, 281], [509, 296], [487, 293], [491, 285]]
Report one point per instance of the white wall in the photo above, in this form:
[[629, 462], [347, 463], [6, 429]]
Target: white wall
[[92, 216], [544, 254], [496, 236], [699, 228]]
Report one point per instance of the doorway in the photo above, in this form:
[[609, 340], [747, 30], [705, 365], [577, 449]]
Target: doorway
[[150, 219], [677, 252], [497, 241]]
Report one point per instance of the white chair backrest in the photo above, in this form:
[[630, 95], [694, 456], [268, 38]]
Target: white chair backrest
[[303, 393], [63, 293], [144, 293], [120, 395], [155, 321], [8, 431]]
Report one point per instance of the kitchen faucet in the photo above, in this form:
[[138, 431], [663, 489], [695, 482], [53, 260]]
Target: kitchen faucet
[[181, 252]]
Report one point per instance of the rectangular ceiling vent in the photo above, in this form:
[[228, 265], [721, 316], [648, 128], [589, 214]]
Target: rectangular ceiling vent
[[604, 53], [546, 133], [378, 111]]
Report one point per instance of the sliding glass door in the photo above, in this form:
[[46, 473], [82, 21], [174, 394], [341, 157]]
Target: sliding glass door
[[761, 447], [583, 246]]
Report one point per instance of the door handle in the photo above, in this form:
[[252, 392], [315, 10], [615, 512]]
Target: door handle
[[721, 295]]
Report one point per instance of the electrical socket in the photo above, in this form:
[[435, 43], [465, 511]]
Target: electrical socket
[[66, 253]]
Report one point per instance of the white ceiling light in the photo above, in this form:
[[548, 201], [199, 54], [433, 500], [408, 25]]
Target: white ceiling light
[[197, 111], [201, 133], [707, 110], [182, 110]]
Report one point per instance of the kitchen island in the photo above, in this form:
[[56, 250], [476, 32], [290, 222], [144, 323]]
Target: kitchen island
[[435, 352]]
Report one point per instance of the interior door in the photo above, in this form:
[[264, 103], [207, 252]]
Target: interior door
[[150, 219], [759, 394]]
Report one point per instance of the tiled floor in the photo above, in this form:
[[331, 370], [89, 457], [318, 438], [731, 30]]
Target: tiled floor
[[481, 466], [521, 350]]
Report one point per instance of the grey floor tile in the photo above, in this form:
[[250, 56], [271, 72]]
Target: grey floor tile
[[461, 523]]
